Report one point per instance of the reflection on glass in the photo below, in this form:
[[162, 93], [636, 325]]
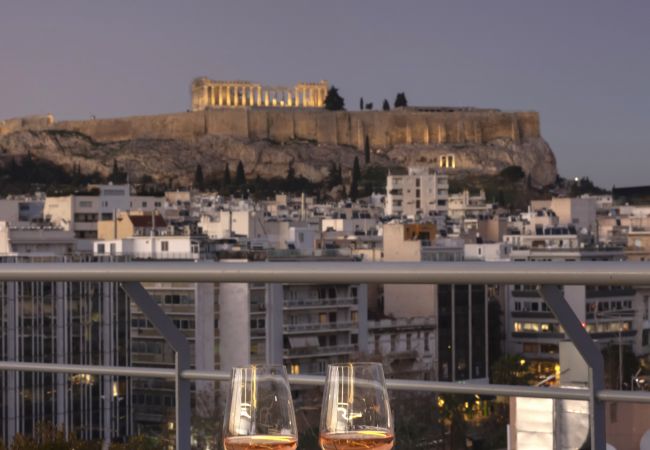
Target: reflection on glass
[[259, 411], [356, 413]]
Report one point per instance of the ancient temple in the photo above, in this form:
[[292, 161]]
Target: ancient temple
[[208, 94]]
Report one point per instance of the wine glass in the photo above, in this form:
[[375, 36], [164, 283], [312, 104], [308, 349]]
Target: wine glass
[[259, 410], [356, 413]]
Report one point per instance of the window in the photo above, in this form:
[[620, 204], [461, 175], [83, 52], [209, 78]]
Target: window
[[354, 339], [645, 337], [333, 317], [393, 342], [107, 216], [294, 369], [408, 341], [101, 249], [322, 318], [517, 306], [426, 342], [531, 348], [164, 246], [354, 316]]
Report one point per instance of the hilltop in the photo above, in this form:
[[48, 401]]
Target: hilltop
[[267, 140]]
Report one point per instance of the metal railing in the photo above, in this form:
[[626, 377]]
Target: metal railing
[[546, 275]]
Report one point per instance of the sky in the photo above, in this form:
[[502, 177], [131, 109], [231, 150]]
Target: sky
[[584, 65]]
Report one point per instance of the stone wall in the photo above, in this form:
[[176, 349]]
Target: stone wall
[[385, 129]]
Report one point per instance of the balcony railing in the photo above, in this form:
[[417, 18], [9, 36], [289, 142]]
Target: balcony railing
[[319, 351], [326, 326], [547, 275], [305, 303]]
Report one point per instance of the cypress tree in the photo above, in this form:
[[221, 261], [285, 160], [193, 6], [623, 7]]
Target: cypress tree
[[385, 106], [356, 176], [227, 181], [361, 103], [240, 176], [199, 182], [400, 100], [366, 150]]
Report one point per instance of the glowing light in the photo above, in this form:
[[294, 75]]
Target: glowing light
[[522, 362]]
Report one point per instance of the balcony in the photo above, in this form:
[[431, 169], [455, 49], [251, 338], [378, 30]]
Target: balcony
[[320, 351], [547, 275], [319, 327], [309, 303]]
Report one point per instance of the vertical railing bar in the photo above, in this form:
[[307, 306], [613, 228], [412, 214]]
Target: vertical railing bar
[[181, 346], [554, 297]]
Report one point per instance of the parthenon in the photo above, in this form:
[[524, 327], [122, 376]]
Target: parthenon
[[207, 94]]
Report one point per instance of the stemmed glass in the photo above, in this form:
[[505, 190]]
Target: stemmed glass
[[259, 410], [356, 413]]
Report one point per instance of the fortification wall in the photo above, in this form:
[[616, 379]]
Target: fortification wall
[[384, 129]]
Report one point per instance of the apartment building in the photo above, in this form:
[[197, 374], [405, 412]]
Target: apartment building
[[65, 323], [81, 212], [421, 192], [310, 326], [459, 311]]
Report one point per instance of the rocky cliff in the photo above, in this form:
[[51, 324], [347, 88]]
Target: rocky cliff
[[266, 140]]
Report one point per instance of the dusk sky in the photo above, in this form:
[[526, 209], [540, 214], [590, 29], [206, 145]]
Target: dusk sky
[[583, 64]]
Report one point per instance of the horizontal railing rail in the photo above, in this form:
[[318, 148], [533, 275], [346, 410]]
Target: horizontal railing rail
[[440, 387], [555, 273]]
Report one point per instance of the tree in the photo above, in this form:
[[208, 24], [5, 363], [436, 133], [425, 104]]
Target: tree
[[369, 106], [240, 175], [400, 100], [333, 101], [227, 181], [385, 106], [356, 177], [291, 173], [366, 150], [334, 176], [198, 178], [361, 103], [511, 369]]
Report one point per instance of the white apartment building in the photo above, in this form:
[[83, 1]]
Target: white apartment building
[[150, 247], [406, 346], [421, 192], [464, 204], [80, 212]]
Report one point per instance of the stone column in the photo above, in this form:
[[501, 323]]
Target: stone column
[[266, 97], [251, 96], [228, 103], [259, 95], [289, 100]]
